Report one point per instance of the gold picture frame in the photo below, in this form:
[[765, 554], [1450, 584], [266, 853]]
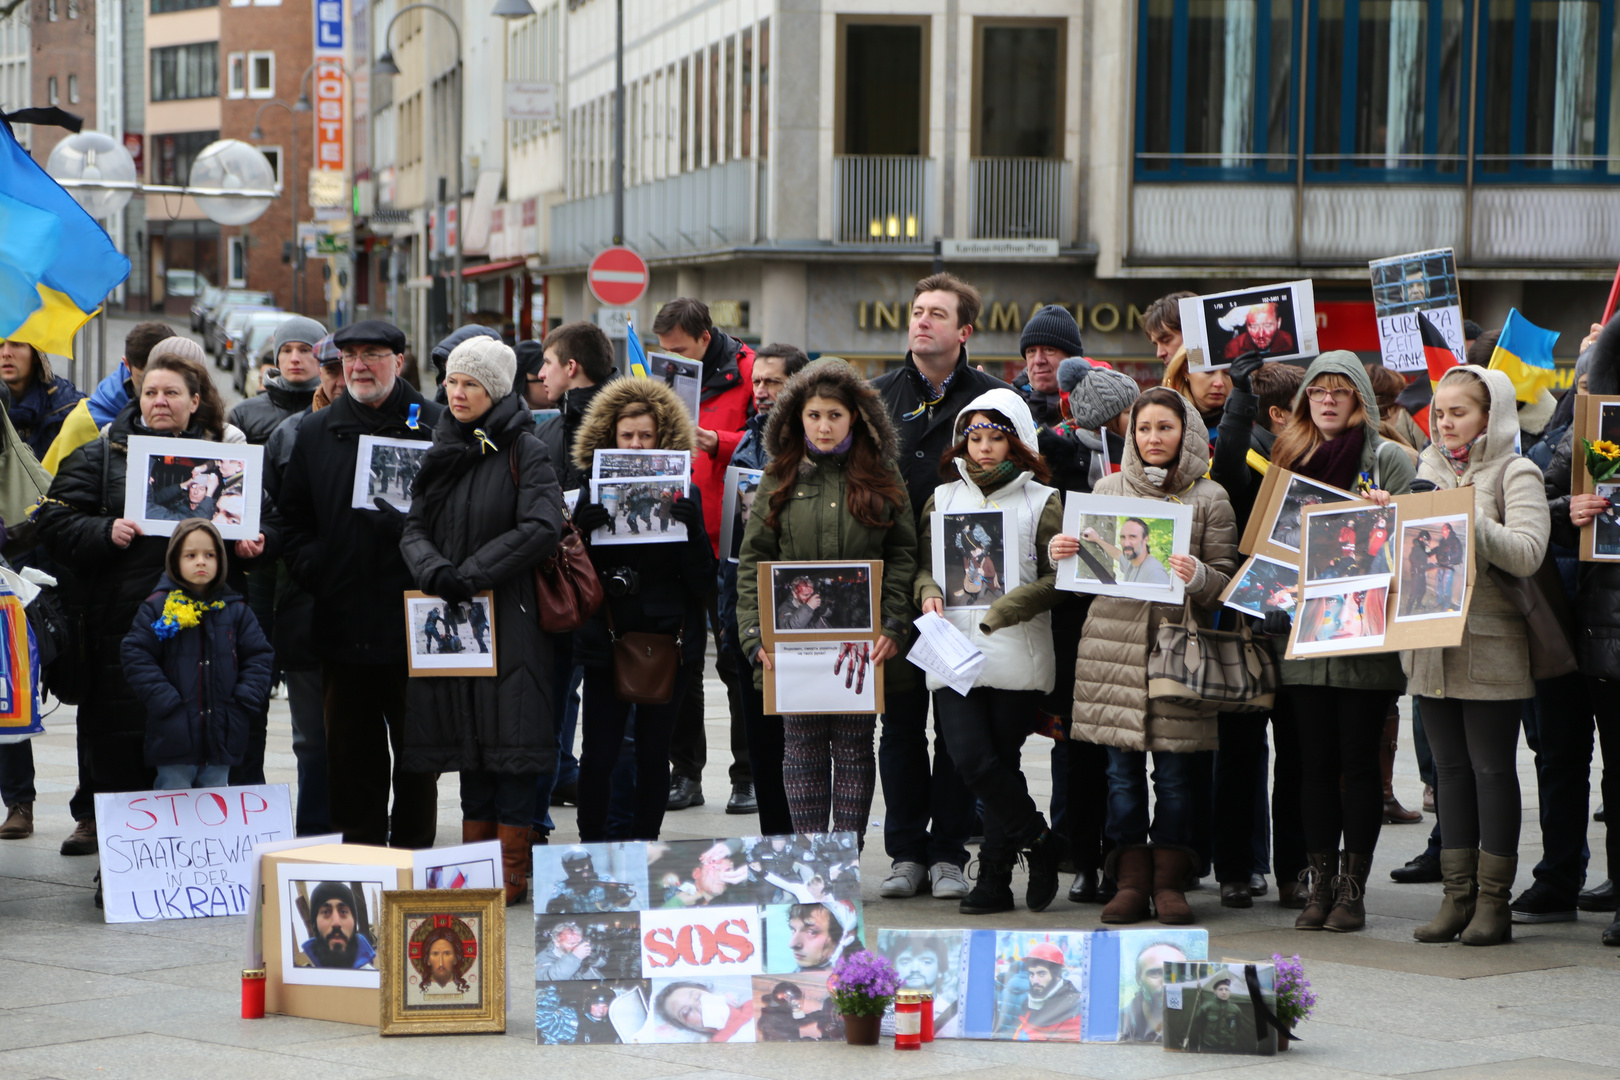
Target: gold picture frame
[[459, 989]]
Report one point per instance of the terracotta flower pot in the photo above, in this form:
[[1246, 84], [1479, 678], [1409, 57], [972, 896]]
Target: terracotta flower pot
[[862, 1030]]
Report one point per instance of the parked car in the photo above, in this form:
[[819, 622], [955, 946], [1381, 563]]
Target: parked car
[[185, 283], [199, 306], [233, 321], [241, 351], [229, 298]]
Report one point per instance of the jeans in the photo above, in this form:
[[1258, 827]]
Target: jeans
[[309, 748], [915, 793], [182, 777], [17, 773], [506, 798], [985, 733], [1240, 776], [603, 725], [365, 717], [1558, 726], [1173, 788]]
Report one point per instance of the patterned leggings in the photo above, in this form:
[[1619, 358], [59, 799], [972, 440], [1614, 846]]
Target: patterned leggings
[[828, 766]]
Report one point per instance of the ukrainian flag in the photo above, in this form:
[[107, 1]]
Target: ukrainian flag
[[639, 366], [1524, 354], [56, 264]]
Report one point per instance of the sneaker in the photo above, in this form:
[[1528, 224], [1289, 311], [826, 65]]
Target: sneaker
[[83, 840], [1539, 904], [1599, 898], [904, 879], [19, 822], [947, 881]]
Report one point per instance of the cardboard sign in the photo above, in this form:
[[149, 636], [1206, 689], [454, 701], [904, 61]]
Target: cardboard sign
[[1597, 417], [185, 854], [820, 621], [1403, 286]]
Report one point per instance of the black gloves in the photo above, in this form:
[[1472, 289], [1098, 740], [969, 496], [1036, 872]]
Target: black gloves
[[1243, 367], [688, 513], [390, 519], [1277, 624], [448, 584], [590, 517]]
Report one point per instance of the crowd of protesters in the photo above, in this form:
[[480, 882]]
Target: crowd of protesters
[[853, 469]]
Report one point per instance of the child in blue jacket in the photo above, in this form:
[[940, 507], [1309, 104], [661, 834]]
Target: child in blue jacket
[[198, 661]]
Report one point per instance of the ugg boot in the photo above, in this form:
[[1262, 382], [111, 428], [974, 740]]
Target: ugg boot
[[1173, 871], [1349, 895], [1132, 871], [1042, 857], [1318, 877], [1457, 868], [992, 892], [1492, 923], [1394, 812], [515, 853]]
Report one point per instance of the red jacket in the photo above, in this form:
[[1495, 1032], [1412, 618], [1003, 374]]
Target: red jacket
[[724, 407]]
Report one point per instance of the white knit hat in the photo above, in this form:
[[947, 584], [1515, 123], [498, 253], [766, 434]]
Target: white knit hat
[[488, 360], [182, 347]]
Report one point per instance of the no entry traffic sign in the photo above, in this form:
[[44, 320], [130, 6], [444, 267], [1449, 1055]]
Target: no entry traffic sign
[[617, 276]]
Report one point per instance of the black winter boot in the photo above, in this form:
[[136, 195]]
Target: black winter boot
[[992, 893]]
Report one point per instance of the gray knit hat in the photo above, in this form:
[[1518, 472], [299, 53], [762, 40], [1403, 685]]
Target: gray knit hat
[[183, 347], [296, 328], [1102, 395], [1072, 372], [489, 360]]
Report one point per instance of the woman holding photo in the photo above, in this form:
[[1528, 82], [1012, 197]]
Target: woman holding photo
[[651, 587], [1338, 704], [995, 465], [831, 491], [1165, 460], [486, 509], [1471, 694], [110, 565]]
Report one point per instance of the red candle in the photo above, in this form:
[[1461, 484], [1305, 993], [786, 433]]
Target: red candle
[[908, 1020], [253, 993], [927, 1015]]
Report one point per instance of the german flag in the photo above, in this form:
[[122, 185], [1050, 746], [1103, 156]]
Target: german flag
[[1417, 397]]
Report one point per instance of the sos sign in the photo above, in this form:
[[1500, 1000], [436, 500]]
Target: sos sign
[[701, 941]]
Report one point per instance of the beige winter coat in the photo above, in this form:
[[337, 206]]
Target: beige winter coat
[[1110, 678], [1493, 661]]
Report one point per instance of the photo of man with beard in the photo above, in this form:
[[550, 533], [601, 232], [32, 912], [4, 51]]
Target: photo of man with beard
[[1051, 1010], [340, 930]]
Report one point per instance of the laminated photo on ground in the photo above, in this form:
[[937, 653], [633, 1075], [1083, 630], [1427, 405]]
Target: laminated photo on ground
[[1125, 547], [1433, 557], [1276, 322], [331, 918], [1037, 984], [1210, 1008], [595, 1012], [930, 961], [796, 1008]]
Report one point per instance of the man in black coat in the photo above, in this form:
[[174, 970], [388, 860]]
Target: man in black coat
[[290, 387], [578, 361], [349, 559], [923, 396]]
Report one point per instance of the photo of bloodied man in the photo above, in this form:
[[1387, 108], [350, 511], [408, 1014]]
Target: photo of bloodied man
[[808, 599]]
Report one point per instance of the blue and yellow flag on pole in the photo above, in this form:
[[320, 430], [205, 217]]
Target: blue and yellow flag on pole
[[639, 365], [1524, 354], [56, 264]]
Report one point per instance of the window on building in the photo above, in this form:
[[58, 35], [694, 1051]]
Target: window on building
[[73, 9], [174, 153], [730, 147], [50, 91], [1019, 78], [236, 75], [272, 154], [747, 123], [50, 10], [180, 72], [764, 87], [261, 74], [715, 96], [683, 92], [884, 89], [160, 7], [73, 89], [237, 255]]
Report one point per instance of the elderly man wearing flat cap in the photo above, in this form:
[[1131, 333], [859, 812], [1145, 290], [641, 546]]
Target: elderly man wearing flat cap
[[349, 560]]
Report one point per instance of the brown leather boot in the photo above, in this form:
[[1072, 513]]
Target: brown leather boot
[[1394, 812], [1457, 869], [1172, 873], [515, 855], [19, 822], [1132, 868], [1349, 895], [1318, 878], [1492, 923]]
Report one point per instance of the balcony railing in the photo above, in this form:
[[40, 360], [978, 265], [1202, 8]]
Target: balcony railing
[[696, 211], [1013, 198], [883, 199]]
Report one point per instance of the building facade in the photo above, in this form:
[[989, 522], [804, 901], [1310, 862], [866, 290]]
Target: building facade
[[16, 49]]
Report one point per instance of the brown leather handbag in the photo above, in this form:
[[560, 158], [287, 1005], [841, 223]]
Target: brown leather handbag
[[644, 665], [1193, 667], [566, 587]]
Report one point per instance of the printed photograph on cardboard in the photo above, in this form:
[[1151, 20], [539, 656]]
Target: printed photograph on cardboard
[[970, 557], [742, 487], [795, 1008], [1039, 986], [1606, 526], [639, 511], [1418, 281], [681, 375], [1342, 615], [1301, 495], [465, 866], [640, 464], [590, 878], [929, 960], [824, 676], [1277, 322], [719, 1009], [1265, 585], [1349, 543], [604, 945], [1142, 957], [818, 598], [1434, 568], [171, 480], [1609, 421], [446, 635], [330, 916], [693, 873], [600, 1013], [804, 869], [444, 954], [1126, 550], [810, 936], [1209, 1009], [387, 468]]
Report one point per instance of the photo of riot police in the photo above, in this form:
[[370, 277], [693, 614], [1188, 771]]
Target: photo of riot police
[[804, 869], [589, 1013], [795, 1008], [602, 946], [590, 878]]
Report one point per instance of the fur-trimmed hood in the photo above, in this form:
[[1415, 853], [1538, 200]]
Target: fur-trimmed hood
[[675, 428], [786, 425]]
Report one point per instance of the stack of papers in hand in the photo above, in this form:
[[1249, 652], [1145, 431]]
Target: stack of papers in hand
[[943, 650]]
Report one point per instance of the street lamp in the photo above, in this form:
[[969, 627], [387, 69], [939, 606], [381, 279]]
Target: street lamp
[[257, 135], [228, 166]]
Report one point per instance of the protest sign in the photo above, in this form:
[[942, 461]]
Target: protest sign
[[1274, 322], [1403, 287]]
